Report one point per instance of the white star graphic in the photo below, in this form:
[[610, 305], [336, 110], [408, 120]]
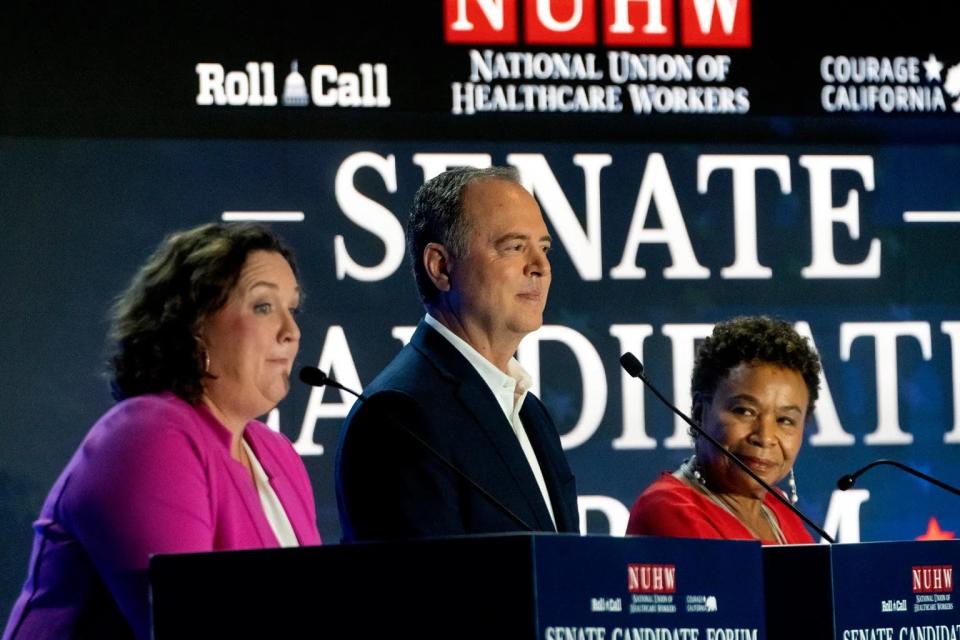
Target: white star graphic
[[933, 68]]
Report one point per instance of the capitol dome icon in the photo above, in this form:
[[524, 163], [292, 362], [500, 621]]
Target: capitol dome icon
[[295, 89]]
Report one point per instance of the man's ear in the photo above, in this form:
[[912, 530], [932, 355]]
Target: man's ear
[[437, 262]]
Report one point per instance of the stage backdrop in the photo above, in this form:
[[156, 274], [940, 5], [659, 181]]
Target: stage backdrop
[[693, 160]]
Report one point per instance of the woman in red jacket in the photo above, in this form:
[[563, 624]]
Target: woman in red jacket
[[755, 381]]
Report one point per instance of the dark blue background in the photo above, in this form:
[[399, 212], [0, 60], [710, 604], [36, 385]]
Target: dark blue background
[[103, 151]]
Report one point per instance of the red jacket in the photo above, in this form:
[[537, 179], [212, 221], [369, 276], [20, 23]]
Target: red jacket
[[670, 507]]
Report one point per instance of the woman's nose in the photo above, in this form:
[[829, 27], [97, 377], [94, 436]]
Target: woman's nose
[[290, 330], [766, 429]]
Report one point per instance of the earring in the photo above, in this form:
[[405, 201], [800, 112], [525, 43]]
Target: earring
[[202, 349], [695, 472], [792, 484]]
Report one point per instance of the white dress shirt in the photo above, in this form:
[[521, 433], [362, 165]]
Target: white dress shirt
[[272, 508], [510, 392]]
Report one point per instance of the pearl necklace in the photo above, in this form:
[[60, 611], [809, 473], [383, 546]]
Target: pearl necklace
[[691, 474]]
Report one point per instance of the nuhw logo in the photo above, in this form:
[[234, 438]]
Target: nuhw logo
[[651, 578], [932, 579], [625, 23]]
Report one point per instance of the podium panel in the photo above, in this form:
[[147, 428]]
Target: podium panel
[[550, 587], [866, 591]]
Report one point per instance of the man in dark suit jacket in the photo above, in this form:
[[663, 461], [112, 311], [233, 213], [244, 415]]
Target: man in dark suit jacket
[[449, 441]]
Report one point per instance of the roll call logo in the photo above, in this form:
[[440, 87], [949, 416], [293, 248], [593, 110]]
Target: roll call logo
[[328, 86]]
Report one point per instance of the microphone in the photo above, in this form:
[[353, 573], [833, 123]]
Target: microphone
[[847, 481], [634, 367], [317, 378]]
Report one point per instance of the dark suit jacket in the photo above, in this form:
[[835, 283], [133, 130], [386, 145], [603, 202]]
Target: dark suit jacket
[[390, 485]]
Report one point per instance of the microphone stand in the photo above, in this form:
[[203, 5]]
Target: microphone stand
[[634, 367], [317, 378], [847, 481]]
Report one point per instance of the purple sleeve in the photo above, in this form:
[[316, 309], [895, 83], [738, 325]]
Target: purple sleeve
[[141, 486]]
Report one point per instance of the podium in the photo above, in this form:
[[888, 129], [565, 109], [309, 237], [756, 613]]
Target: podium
[[866, 591], [546, 586]]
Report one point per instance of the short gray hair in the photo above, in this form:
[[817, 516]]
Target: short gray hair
[[437, 216]]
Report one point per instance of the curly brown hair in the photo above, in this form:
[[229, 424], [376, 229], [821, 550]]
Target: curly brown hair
[[754, 339], [154, 323]]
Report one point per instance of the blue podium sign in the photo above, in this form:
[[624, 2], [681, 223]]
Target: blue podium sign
[[896, 590], [549, 587], [869, 591], [641, 588]]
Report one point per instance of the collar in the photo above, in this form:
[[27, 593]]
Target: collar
[[509, 389]]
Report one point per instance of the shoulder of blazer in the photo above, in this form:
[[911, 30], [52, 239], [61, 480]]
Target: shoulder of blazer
[[436, 349]]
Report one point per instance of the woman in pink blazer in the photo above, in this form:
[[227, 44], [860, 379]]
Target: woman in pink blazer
[[205, 338]]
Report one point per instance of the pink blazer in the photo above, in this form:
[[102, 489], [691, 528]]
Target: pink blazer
[[153, 475]]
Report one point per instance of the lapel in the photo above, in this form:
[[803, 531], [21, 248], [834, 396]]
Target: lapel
[[513, 482], [242, 484], [251, 500], [535, 421], [292, 502]]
